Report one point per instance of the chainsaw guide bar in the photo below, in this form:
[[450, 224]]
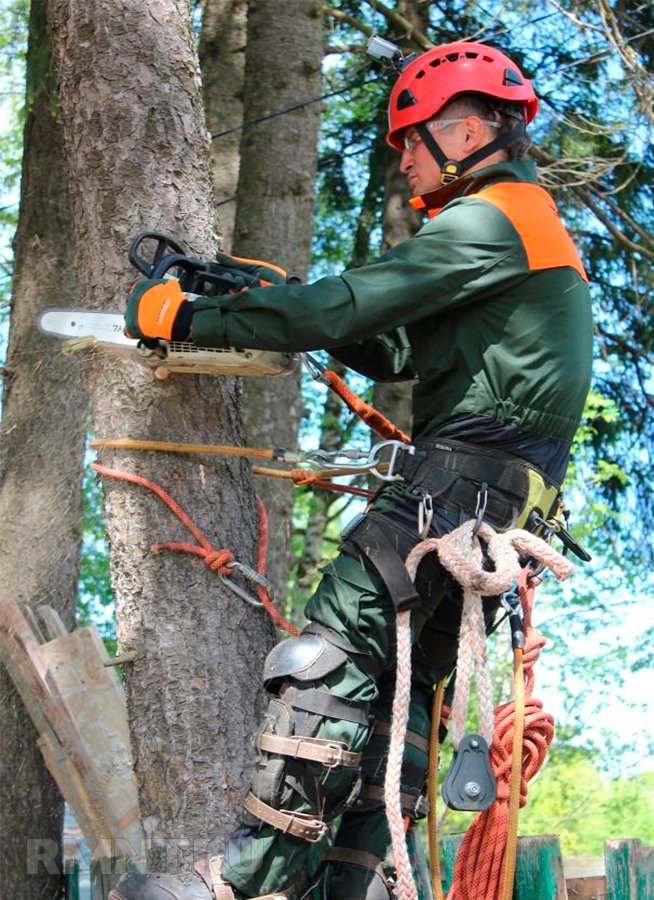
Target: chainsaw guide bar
[[106, 328]]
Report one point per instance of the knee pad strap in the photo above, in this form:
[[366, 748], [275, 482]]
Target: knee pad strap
[[300, 825], [329, 753]]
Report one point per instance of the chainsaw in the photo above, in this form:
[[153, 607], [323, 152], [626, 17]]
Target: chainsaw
[[156, 255]]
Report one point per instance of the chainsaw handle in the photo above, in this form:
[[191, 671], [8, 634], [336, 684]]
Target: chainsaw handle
[[197, 276], [206, 278], [165, 246]]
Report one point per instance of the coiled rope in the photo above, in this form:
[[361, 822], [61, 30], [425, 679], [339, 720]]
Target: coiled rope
[[461, 554]]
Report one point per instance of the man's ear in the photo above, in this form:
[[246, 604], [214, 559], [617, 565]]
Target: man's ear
[[475, 133]]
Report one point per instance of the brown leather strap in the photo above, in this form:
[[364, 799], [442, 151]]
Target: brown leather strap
[[329, 753], [412, 737], [356, 858], [301, 825], [209, 871]]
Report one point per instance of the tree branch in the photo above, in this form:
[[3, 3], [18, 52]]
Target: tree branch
[[399, 21]]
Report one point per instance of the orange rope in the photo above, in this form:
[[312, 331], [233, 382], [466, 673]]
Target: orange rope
[[480, 871], [374, 419], [215, 559]]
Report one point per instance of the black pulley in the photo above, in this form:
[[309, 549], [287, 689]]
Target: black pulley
[[470, 784]]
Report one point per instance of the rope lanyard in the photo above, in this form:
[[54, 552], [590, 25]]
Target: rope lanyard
[[222, 562]]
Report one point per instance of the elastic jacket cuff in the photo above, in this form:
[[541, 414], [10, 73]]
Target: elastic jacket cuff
[[207, 329]]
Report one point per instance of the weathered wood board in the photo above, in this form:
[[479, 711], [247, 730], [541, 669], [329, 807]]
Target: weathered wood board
[[78, 708]]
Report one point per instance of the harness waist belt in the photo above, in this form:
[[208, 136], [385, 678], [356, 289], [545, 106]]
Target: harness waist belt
[[436, 463]]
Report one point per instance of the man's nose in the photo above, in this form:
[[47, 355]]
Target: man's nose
[[406, 161]]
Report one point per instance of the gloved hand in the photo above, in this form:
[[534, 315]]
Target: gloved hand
[[158, 308], [266, 272]]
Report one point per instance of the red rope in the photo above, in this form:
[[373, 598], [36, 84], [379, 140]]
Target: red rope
[[480, 862], [372, 417], [215, 559]]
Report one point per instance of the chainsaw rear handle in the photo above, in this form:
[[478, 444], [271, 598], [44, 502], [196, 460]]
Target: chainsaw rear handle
[[201, 277], [165, 245], [197, 276]]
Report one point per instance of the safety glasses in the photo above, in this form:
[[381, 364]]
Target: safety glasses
[[412, 138]]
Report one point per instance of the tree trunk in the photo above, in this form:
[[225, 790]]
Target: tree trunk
[[222, 61], [274, 215], [41, 448], [139, 157]]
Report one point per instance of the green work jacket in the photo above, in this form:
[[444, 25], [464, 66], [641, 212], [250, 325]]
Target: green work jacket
[[487, 307]]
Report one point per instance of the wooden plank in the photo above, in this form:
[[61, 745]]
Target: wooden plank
[[72, 788], [449, 845], [620, 858], [24, 660], [591, 887], [539, 869], [78, 707], [52, 622], [71, 879], [645, 873], [420, 866], [34, 624], [95, 700]]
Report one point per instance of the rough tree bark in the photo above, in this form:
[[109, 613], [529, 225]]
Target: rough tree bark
[[222, 62], [274, 215], [41, 449], [139, 157]]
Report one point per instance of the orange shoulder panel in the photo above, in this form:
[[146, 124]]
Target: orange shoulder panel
[[533, 214]]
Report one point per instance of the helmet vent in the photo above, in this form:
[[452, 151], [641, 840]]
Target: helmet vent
[[470, 55], [434, 63], [452, 57], [512, 78], [406, 99], [420, 74]]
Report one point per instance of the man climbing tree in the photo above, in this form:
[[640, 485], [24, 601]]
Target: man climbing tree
[[488, 308]]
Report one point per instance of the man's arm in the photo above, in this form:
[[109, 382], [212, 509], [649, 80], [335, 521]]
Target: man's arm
[[384, 358], [460, 257], [448, 263]]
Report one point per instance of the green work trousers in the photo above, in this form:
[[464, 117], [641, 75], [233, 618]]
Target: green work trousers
[[352, 602]]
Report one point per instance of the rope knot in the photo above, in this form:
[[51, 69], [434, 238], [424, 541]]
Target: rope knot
[[303, 476], [217, 560]]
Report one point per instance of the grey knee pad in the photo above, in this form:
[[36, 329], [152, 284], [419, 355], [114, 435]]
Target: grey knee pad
[[305, 742]]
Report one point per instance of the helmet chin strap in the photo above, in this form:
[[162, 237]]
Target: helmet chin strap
[[451, 169]]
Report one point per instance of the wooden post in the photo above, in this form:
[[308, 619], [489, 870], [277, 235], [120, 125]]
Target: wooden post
[[629, 870], [539, 867]]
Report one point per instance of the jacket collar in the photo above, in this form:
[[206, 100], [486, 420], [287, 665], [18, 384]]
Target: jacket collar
[[434, 201]]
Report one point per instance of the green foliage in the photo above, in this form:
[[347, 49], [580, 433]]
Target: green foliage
[[571, 798]]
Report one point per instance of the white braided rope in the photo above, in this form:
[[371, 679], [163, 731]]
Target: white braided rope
[[461, 554], [405, 887]]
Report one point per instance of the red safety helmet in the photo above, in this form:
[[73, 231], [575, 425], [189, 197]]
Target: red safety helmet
[[439, 75]]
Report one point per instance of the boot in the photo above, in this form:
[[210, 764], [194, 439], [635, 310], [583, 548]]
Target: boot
[[208, 886]]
